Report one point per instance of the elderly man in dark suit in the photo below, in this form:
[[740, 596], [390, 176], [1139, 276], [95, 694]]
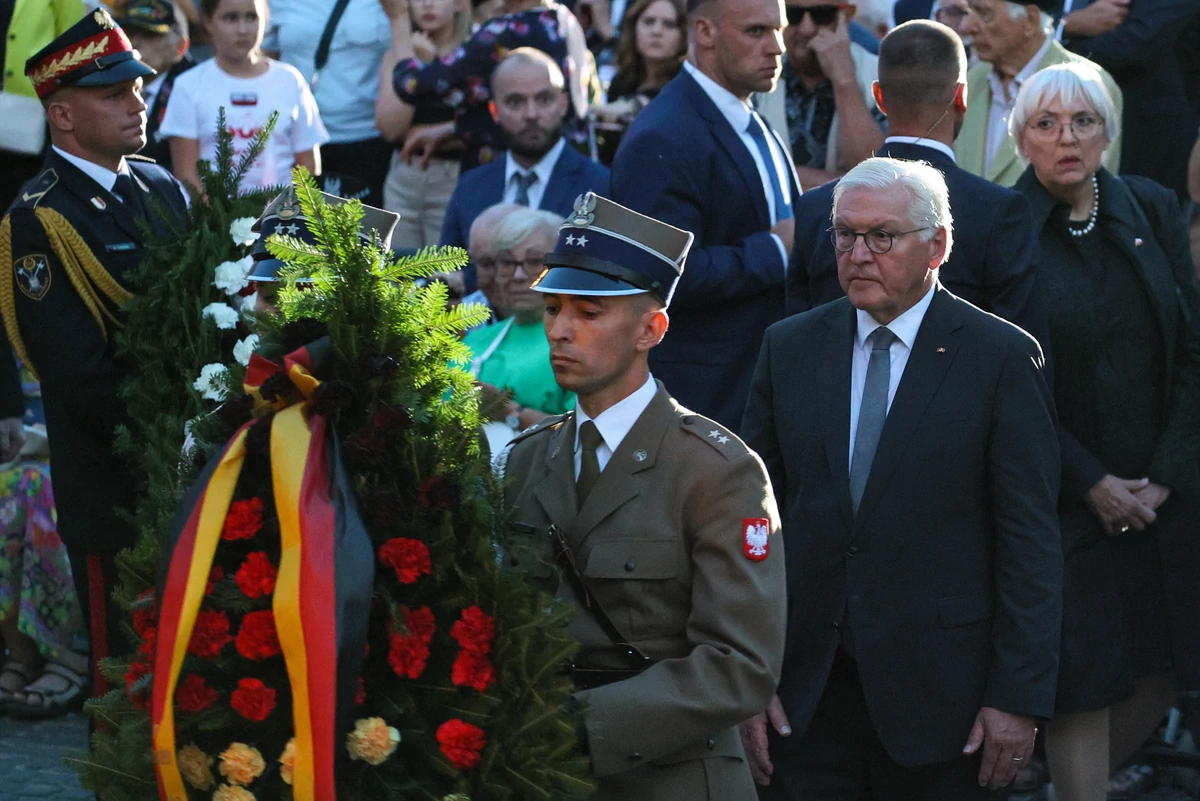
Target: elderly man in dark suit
[[911, 444], [700, 158], [922, 89]]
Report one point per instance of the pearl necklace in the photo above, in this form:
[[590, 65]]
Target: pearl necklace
[[1079, 233]]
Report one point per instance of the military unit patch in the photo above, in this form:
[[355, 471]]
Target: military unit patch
[[756, 538], [33, 275]]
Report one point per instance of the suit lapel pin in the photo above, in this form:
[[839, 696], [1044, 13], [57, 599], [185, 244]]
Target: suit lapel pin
[[1137, 241], [639, 456], [99, 203], [941, 350]]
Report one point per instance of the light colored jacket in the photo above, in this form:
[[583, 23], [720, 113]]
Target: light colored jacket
[[772, 106], [35, 23], [971, 146]]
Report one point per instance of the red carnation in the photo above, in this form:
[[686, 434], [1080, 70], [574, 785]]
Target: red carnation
[[474, 630], [243, 520], [408, 557], [461, 742], [474, 670], [194, 694], [257, 638], [407, 653], [136, 672], [437, 493], [253, 700], [209, 635], [214, 575], [256, 576]]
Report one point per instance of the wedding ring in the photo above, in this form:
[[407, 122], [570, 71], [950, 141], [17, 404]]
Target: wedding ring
[[1124, 529], [1018, 759]]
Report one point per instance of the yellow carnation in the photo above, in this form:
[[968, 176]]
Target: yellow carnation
[[196, 767], [242, 764], [287, 761], [372, 741], [229, 793]]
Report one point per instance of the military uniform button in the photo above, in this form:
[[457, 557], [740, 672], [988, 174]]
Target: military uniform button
[[630, 566], [852, 550], [688, 419], [711, 744]]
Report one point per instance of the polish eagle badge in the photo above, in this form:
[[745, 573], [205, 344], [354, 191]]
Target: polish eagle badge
[[756, 538]]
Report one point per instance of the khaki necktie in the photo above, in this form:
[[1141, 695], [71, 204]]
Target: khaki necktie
[[589, 465]]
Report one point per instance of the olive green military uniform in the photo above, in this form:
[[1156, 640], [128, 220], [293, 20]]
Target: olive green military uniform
[[661, 544]]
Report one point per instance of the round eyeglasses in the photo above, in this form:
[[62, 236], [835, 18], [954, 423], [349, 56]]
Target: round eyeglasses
[[878, 242], [1083, 126]]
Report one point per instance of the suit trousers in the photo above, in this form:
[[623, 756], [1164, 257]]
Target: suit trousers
[[841, 758], [420, 197], [96, 575]]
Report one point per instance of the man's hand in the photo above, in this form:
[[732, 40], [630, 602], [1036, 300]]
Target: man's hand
[[1007, 742], [423, 140], [1152, 495], [786, 231], [1114, 501], [12, 438], [754, 739], [831, 46], [1100, 17]]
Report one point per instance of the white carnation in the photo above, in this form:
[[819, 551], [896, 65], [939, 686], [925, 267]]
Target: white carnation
[[239, 229], [249, 302], [243, 350], [230, 276], [222, 314], [212, 380]]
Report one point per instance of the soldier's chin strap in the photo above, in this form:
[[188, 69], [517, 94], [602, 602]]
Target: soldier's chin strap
[[83, 269]]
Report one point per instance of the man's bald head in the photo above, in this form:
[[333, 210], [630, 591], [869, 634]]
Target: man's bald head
[[522, 60], [921, 64]]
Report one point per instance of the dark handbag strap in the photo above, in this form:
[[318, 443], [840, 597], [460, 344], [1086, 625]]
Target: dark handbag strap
[[322, 57], [566, 560]]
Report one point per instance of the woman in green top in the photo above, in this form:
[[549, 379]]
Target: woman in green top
[[511, 358]]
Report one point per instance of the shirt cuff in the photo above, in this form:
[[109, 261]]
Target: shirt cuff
[[783, 254]]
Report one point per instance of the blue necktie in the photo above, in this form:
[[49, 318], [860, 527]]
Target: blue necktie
[[873, 412], [757, 131]]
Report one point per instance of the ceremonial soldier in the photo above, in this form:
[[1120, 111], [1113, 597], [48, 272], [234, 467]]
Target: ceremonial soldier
[[656, 523], [73, 237]]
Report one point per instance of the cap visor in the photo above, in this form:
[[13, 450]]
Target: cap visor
[[148, 27], [265, 271], [574, 281], [118, 73]]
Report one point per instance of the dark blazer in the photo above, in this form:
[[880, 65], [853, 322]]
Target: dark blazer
[[681, 162], [907, 10], [79, 370], [991, 264], [1159, 127], [482, 187], [950, 575]]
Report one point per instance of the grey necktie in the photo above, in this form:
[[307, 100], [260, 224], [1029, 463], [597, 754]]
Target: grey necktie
[[589, 464], [872, 413], [524, 181]]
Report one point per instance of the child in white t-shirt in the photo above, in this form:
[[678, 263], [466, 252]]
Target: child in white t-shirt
[[249, 86]]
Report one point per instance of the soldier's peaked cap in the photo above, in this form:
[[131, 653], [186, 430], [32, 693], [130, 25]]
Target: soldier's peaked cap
[[605, 249], [283, 215], [92, 52]]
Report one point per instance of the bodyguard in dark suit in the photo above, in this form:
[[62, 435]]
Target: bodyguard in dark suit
[[541, 170], [908, 10], [694, 158], [76, 235], [910, 440], [922, 89]]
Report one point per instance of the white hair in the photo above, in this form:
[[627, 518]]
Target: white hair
[[929, 199], [1018, 12], [1068, 83], [519, 225]]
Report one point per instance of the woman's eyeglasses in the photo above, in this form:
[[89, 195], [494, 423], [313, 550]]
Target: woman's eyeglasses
[[1049, 129], [532, 266], [821, 15]]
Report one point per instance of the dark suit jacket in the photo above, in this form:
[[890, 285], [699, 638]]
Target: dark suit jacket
[[907, 10], [950, 575], [78, 367], [991, 264], [482, 187], [1159, 127], [681, 162]]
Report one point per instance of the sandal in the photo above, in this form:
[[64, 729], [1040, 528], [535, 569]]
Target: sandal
[[16, 668], [1131, 782], [49, 699]]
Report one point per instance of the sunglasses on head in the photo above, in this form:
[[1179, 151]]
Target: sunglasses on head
[[821, 15]]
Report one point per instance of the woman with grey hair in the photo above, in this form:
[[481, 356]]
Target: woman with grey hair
[[511, 357], [1117, 280]]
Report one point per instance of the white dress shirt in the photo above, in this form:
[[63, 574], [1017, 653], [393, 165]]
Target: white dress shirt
[[614, 423], [1002, 103], [101, 175], [905, 327], [544, 169], [923, 142], [738, 112]]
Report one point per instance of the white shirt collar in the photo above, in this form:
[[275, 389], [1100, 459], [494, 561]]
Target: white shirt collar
[[736, 111], [941, 147], [998, 94], [905, 326], [615, 422], [543, 169], [101, 175]]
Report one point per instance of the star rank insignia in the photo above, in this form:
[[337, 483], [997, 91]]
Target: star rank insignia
[[32, 273]]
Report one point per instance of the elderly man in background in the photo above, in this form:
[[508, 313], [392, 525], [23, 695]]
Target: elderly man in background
[[911, 445], [1013, 41]]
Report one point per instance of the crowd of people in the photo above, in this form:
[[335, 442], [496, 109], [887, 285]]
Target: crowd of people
[[1000, 543]]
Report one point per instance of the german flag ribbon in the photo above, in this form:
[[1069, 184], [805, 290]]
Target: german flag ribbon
[[326, 564]]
